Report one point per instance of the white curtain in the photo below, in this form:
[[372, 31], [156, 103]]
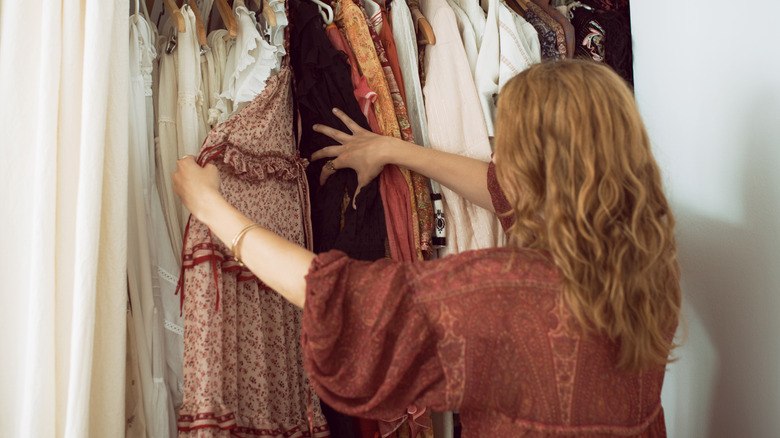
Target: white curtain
[[63, 182]]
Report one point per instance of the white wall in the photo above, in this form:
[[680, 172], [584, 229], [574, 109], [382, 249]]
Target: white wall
[[708, 85]]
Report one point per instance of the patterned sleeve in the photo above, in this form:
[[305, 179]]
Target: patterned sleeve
[[500, 203], [367, 347]]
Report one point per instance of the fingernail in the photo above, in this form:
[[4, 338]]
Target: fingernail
[[314, 127], [335, 110]]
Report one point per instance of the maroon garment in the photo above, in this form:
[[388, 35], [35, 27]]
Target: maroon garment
[[484, 332]]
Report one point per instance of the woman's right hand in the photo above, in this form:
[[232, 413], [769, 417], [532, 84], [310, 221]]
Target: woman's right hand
[[362, 150]]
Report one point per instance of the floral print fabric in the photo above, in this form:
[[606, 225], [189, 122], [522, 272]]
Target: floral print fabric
[[243, 373]]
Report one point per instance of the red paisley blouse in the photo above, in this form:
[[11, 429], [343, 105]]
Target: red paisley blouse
[[484, 332]]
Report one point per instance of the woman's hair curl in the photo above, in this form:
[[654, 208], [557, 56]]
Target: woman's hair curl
[[574, 159]]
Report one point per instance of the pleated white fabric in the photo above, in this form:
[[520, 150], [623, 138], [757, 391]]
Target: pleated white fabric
[[64, 65]]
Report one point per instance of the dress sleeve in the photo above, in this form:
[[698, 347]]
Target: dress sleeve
[[500, 203], [367, 347]]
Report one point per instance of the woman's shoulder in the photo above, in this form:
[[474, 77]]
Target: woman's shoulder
[[493, 268]]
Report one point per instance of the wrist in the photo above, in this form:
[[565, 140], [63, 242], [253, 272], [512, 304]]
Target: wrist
[[209, 206], [393, 152]]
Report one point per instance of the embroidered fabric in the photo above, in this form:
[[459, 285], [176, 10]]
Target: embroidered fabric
[[547, 38], [507, 352], [243, 372], [421, 218]]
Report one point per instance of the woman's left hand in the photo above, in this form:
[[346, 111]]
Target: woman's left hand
[[197, 186]]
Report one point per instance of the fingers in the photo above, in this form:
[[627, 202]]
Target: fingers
[[348, 122], [341, 137], [327, 170], [326, 152]]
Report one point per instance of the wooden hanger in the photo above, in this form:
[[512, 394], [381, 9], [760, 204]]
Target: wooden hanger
[[268, 13], [228, 18], [516, 6], [200, 30], [176, 16], [424, 30]]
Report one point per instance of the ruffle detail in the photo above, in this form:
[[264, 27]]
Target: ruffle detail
[[268, 165]]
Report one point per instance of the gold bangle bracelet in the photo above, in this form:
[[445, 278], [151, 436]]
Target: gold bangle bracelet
[[237, 240]]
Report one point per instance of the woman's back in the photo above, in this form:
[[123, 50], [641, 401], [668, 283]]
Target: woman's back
[[484, 332]]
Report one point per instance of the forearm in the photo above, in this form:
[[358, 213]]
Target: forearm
[[465, 176], [279, 263]]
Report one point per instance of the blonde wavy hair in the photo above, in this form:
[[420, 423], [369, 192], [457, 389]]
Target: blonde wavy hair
[[573, 157]]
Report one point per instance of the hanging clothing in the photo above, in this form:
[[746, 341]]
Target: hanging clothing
[[438, 319], [547, 39], [476, 16], [604, 36], [456, 125], [251, 62], [190, 124], [421, 218], [219, 46], [563, 20], [142, 274], [323, 83], [487, 68], [242, 357], [560, 35], [352, 23], [467, 35], [167, 151], [364, 95], [519, 45], [384, 30], [408, 62]]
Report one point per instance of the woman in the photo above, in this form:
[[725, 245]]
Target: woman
[[565, 332]]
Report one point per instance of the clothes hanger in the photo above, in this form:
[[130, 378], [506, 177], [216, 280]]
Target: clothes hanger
[[200, 30], [517, 6], [176, 15], [268, 13], [228, 18], [424, 30], [326, 11], [149, 6]]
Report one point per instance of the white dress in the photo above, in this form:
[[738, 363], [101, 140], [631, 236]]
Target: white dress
[[251, 62], [467, 35], [456, 125], [486, 72], [142, 254], [519, 45], [406, 48], [219, 45], [167, 152]]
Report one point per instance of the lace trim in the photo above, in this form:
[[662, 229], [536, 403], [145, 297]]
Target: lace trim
[[170, 278], [175, 328]]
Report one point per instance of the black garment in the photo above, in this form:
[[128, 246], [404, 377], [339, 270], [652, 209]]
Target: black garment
[[605, 36], [322, 82]]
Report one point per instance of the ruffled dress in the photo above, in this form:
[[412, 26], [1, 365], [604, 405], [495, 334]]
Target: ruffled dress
[[243, 369]]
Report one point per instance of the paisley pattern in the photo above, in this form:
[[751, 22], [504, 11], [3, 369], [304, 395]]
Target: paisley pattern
[[484, 332], [547, 38], [560, 36]]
